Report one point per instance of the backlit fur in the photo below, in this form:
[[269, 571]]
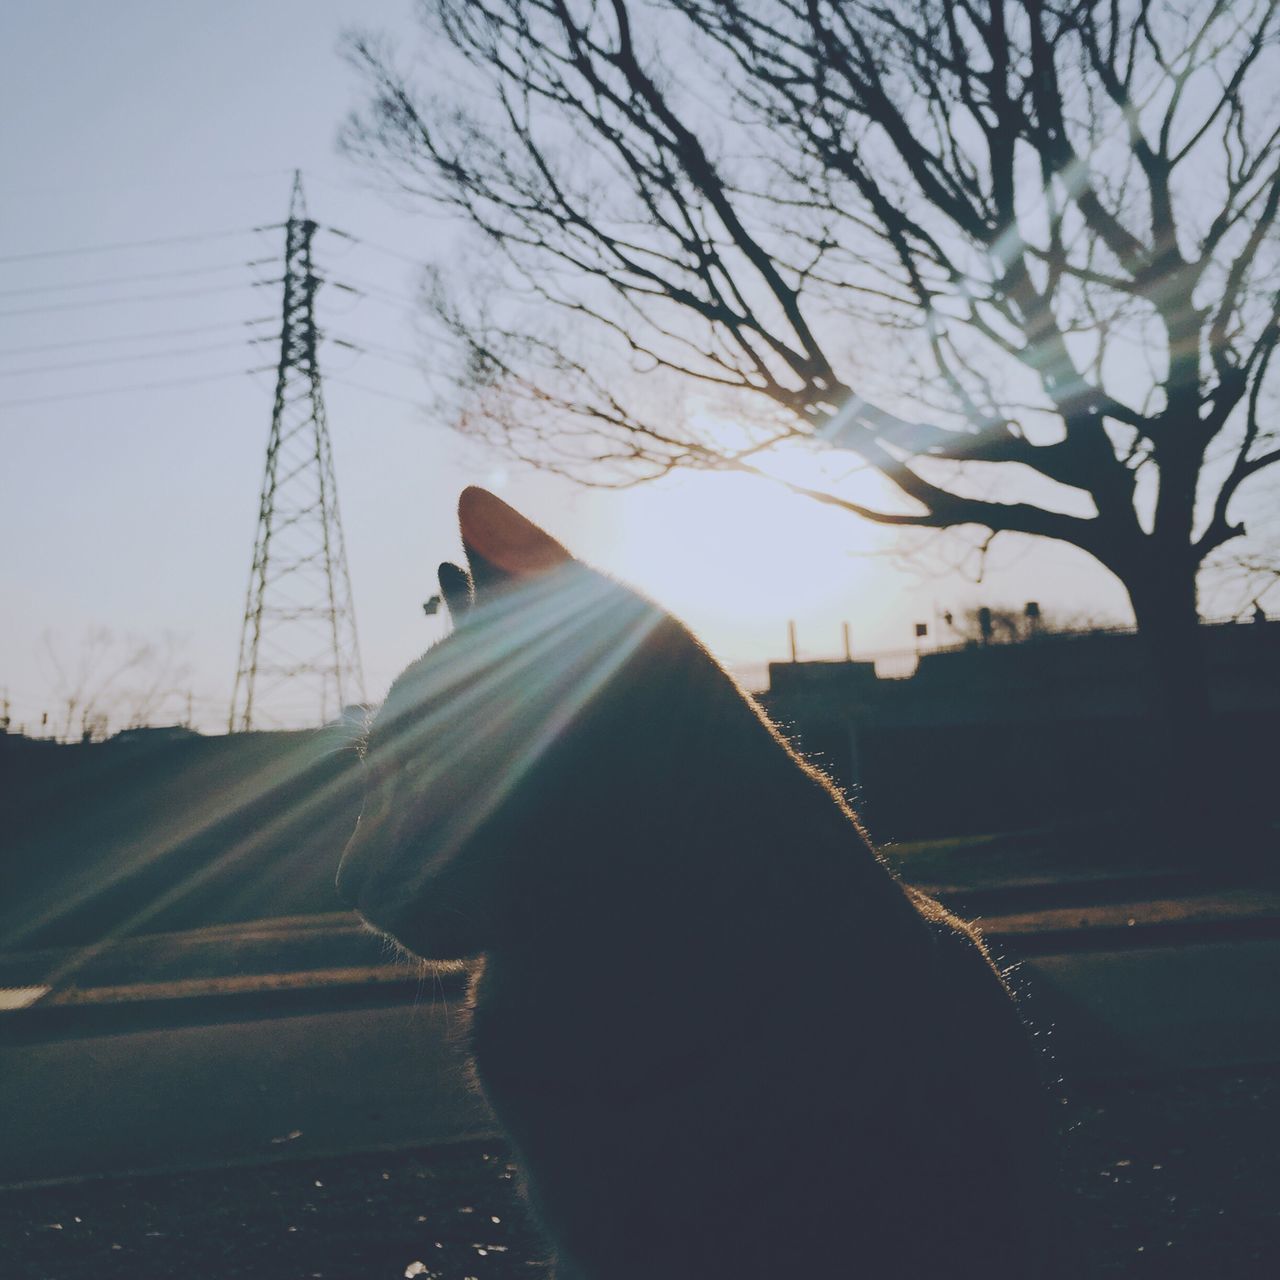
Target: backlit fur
[[723, 1039]]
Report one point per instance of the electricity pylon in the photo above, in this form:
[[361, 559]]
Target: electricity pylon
[[299, 657]]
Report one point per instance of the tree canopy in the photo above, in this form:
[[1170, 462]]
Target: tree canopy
[[1018, 258]]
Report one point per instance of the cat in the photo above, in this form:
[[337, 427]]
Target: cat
[[723, 1039]]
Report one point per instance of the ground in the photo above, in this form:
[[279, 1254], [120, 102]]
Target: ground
[[1177, 1178]]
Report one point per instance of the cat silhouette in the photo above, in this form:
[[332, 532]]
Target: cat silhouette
[[723, 1039]]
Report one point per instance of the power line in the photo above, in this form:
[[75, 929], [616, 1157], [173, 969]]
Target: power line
[[377, 351], [130, 337], [377, 248], [380, 352], [132, 279], [137, 244], [360, 289], [371, 291], [123, 299], [115, 184], [377, 291], [373, 391], [113, 360], [110, 391]]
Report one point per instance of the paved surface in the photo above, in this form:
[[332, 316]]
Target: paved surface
[[187, 1084], [336, 949], [234, 1092], [1148, 1011]]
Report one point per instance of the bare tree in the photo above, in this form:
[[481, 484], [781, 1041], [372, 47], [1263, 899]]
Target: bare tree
[[110, 680], [1256, 580], [1019, 259], [1246, 574]]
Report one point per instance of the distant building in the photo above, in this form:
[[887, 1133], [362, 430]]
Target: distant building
[[980, 736], [154, 733]]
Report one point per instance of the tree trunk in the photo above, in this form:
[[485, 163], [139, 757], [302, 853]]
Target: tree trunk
[[1183, 776]]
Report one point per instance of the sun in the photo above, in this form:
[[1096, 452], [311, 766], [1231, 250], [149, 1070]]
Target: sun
[[738, 556]]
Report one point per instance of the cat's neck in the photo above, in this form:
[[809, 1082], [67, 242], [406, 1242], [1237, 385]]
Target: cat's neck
[[699, 798], [723, 762]]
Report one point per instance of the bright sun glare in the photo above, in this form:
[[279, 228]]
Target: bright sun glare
[[735, 556]]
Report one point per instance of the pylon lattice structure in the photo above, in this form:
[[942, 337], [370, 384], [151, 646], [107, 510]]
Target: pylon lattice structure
[[299, 659]]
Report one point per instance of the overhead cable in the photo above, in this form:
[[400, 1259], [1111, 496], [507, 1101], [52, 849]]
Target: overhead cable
[[377, 248], [373, 391], [380, 352], [112, 391], [127, 359], [125, 299], [116, 338], [137, 244], [131, 279]]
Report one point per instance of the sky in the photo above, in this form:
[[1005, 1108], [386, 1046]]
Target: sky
[[129, 509]]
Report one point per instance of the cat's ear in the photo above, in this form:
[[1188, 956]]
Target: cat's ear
[[455, 586], [501, 545]]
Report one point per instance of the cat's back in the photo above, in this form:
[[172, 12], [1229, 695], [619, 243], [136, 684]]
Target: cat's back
[[795, 1106]]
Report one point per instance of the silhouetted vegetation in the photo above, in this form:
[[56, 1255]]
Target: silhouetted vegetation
[[160, 834]]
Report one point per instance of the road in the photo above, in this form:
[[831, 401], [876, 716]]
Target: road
[[234, 1092], [387, 1070]]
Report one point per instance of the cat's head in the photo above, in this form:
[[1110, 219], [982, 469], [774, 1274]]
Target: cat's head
[[485, 742]]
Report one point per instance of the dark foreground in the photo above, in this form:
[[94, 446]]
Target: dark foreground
[[1178, 1178]]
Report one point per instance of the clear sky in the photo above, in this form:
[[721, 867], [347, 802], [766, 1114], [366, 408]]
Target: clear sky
[[134, 510]]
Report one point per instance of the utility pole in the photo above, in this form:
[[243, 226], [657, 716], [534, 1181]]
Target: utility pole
[[299, 661]]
